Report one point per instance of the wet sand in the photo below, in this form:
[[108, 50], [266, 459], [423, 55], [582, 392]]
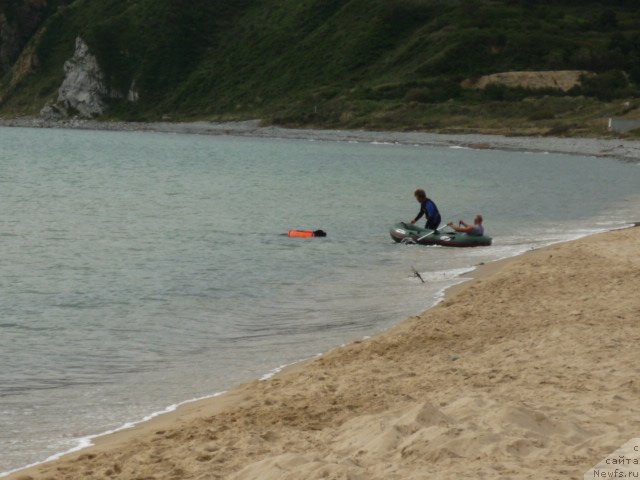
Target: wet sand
[[528, 371]]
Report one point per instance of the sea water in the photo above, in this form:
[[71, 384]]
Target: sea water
[[141, 270]]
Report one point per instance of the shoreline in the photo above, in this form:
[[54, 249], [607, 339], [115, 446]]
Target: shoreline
[[249, 129], [625, 150], [217, 404], [475, 272]]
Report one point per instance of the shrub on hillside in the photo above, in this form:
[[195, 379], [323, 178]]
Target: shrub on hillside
[[404, 14], [543, 114], [435, 93], [605, 86], [608, 20], [466, 53], [503, 93]]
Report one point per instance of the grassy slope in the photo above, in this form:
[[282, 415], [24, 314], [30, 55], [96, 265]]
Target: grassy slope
[[354, 63]]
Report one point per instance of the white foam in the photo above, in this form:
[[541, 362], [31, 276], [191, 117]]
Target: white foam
[[445, 275], [451, 276], [277, 370], [86, 442], [454, 276], [441, 294]]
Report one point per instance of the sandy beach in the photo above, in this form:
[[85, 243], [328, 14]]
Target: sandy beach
[[628, 150], [528, 371]]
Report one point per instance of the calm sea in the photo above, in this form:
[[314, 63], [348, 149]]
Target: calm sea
[[141, 270]]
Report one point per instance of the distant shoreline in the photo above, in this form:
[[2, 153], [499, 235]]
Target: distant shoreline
[[627, 150]]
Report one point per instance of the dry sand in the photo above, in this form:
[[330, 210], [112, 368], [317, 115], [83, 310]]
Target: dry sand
[[529, 371]]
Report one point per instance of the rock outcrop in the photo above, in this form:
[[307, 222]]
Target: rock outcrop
[[563, 80], [84, 89]]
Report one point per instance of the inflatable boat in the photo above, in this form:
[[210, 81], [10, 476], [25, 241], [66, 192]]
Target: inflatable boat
[[407, 233]]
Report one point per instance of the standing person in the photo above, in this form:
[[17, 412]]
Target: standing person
[[428, 209], [475, 229]]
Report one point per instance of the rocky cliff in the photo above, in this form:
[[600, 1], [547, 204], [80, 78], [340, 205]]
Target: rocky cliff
[[84, 91], [318, 62]]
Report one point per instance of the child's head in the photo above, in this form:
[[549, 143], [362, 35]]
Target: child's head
[[420, 195]]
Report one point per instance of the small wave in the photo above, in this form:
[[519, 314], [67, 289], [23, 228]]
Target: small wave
[[86, 442], [445, 275], [274, 372]]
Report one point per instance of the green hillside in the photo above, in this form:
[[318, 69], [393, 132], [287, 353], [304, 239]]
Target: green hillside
[[354, 63]]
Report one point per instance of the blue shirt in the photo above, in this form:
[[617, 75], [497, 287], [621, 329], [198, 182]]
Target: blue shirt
[[429, 208]]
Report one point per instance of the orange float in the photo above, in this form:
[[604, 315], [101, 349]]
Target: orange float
[[301, 233], [307, 233]]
